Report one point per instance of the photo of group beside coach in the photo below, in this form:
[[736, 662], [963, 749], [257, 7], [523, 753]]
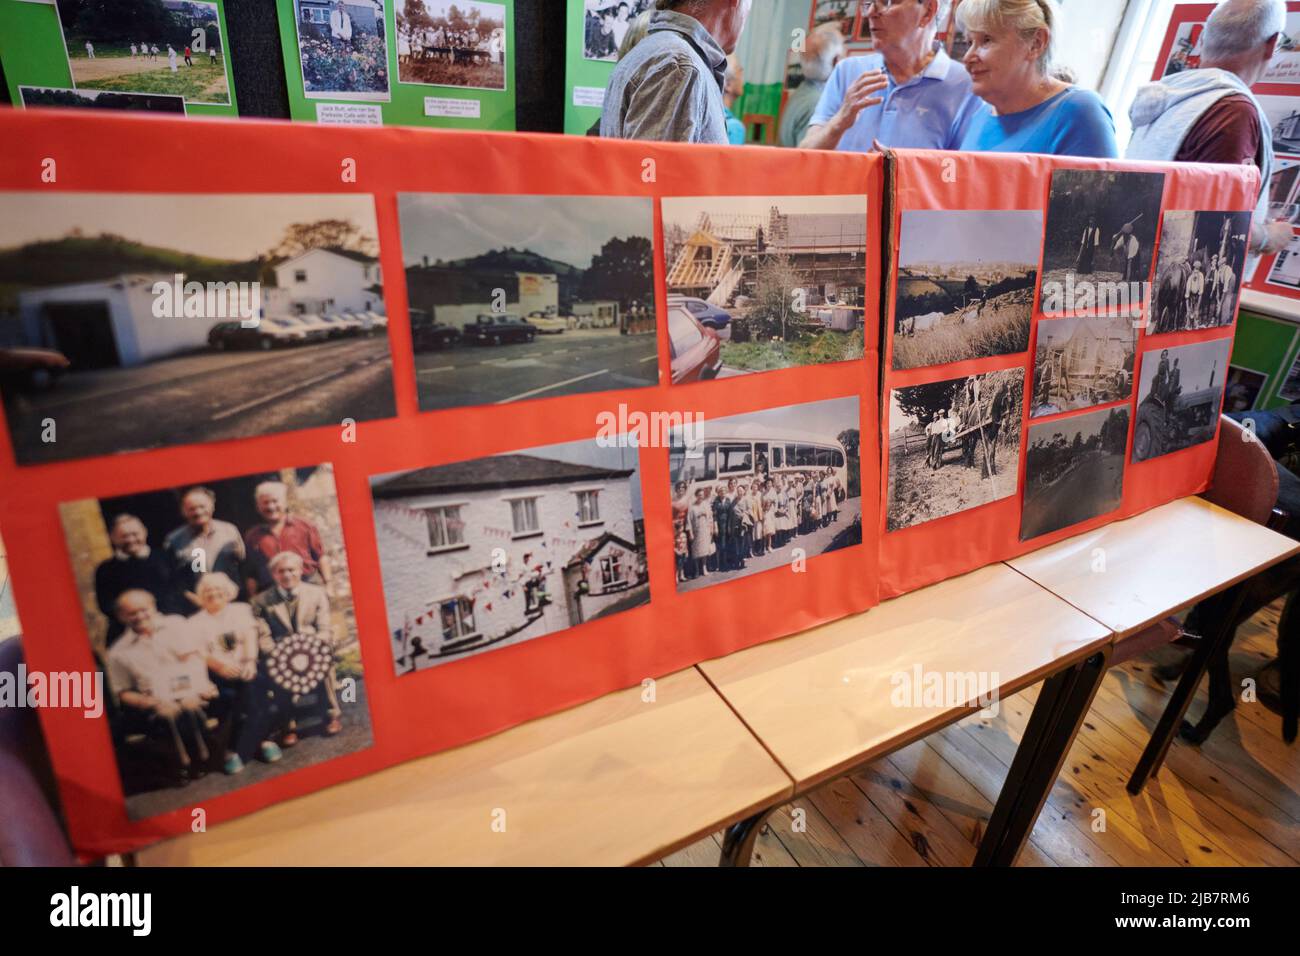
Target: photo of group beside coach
[[221, 616]]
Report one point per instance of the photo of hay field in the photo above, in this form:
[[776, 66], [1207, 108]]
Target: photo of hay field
[[965, 285]]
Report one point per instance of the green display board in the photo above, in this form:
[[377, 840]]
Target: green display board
[[147, 55], [1262, 356], [447, 63], [585, 77]]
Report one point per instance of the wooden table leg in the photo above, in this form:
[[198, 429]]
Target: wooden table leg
[[1223, 617], [1058, 713], [738, 841]]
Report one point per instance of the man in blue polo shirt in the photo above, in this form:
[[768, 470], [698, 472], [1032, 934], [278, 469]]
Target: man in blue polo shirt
[[908, 93]]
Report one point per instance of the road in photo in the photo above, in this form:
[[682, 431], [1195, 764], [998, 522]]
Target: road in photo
[[579, 361], [213, 395], [1074, 470]]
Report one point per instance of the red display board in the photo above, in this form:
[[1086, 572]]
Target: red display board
[[467, 697], [955, 213]]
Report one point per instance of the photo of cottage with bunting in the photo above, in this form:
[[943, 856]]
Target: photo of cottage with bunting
[[478, 555]]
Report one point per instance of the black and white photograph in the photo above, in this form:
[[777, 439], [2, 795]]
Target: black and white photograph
[[148, 46], [46, 97], [1285, 270], [953, 445], [221, 615], [342, 49], [185, 318], [452, 43], [524, 297], [965, 284], [480, 555], [1245, 385], [1101, 229], [1180, 391], [775, 281], [1283, 114], [1199, 270], [1082, 361], [605, 25], [1074, 470], [760, 491], [1185, 54]]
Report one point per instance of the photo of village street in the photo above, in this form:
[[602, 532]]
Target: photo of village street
[[776, 282], [521, 297], [283, 327]]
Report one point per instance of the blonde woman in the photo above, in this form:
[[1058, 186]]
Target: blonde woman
[[1031, 110]]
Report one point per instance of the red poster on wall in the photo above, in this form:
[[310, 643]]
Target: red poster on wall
[[1036, 382], [373, 442]]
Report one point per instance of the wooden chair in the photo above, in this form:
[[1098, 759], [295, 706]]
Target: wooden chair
[[1245, 482]]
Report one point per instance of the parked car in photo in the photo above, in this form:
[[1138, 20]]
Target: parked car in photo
[[430, 336], [547, 324], [709, 316], [269, 333], [695, 351], [497, 329], [372, 323], [343, 324], [312, 326]]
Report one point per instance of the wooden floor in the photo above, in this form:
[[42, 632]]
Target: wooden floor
[[1234, 801]]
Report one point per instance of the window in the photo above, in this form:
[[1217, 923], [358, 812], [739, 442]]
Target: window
[[839, 460], [588, 507], [523, 513], [736, 458], [457, 615], [446, 529], [612, 570], [776, 456], [683, 333], [315, 15], [1139, 34], [299, 275]]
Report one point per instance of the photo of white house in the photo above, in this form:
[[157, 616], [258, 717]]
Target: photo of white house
[[482, 554], [331, 280]]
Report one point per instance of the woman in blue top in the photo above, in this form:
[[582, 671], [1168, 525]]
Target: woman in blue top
[[1028, 109]]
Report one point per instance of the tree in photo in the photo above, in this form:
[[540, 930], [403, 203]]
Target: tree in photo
[[620, 272]]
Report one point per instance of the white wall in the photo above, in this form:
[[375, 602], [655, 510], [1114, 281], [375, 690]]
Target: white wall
[[330, 276]]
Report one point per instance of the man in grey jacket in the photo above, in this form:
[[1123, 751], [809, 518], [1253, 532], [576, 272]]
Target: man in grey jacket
[[1209, 115], [669, 86]]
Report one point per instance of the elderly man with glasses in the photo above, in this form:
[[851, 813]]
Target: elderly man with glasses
[[907, 93]]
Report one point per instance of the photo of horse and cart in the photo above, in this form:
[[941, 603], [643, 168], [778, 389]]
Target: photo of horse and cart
[[1199, 274], [953, 445]]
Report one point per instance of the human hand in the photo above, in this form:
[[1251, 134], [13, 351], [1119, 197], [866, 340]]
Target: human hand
[[860, 94], [167, 708], [23, 359]]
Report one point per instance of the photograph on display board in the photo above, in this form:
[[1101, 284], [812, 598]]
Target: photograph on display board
[[45, 97], [862, 30], [1290, 387], [1244, 387], [1283, 114], [1180, 391], [841, 12], [965, 285], [1185, 54], [189, 318], [479, 555], [1074, 470], [452, 43], [342, 49], [1282, 183], [1101, 230], [1285, 270], [606, 23], [1198, 274], [1081, 362], [520, 297], [1285, 65], [147, 46], [764, 282], [953, 445], [758, 491], [221, 615]]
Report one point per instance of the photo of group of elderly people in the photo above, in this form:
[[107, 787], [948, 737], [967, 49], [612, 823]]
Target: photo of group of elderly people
[[765, 489], [221, 615]]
